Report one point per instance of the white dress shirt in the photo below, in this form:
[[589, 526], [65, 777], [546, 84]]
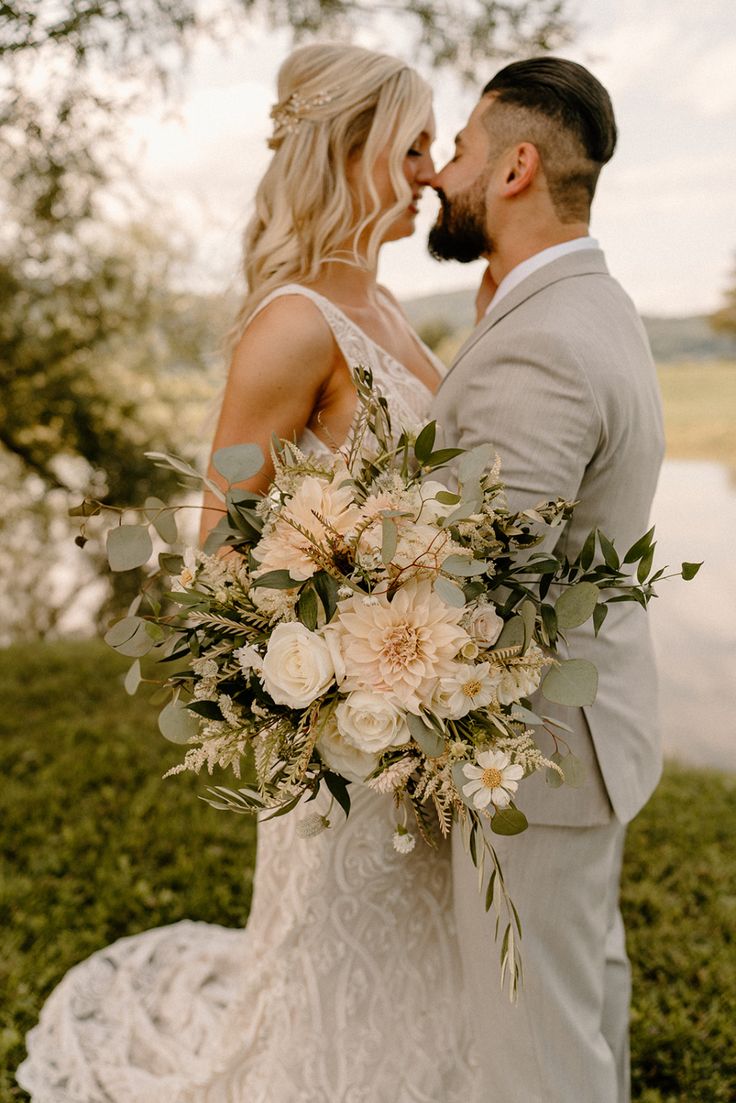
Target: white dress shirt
[[532, 264]]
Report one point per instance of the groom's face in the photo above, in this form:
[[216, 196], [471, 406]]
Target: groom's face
[[461, 231]]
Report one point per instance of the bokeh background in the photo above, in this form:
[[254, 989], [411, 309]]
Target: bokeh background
[[132, 135]]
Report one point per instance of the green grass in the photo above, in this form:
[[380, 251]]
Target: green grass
[[95, 846], [699, 401]]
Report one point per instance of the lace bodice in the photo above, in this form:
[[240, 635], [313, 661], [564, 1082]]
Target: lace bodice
[[345, 986], [408, 397]]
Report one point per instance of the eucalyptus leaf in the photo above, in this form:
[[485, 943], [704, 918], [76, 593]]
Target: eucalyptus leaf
[[575, 772], [163, 519], [176, 723], [133, 678], [218, 536], [171, 563], [450, 593], [390, 536], [463, 567], [446, 498], [526, 716], [123, 630], [509, 821], [238, 462], [128, 547], [429, 739], [573, 682], [528, 614], [553, 779], [474, 462], [512, 634], [576, 605], [85, 509]]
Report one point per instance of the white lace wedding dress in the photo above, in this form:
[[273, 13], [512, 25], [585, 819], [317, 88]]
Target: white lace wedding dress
[[345, 986]]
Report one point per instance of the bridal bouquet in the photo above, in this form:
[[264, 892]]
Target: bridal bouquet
[[361, 623]]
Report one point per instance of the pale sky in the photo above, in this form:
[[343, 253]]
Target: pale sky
[[665, 210]]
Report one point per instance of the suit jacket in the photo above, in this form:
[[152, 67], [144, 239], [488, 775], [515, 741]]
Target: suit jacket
[[559, 378]]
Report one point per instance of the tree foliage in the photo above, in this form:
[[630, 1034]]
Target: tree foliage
[[460, 33]]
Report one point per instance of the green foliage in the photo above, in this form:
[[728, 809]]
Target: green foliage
[[459, 33], [96, 846]]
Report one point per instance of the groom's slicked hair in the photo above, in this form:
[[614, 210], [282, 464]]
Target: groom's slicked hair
[[562, 109]]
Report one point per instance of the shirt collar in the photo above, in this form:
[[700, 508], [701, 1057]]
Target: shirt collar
[[532, 264]]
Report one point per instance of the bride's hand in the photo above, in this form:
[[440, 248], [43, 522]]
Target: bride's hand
[[486, 291]]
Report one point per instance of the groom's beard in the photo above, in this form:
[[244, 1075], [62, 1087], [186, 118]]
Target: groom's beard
[[460, 231]]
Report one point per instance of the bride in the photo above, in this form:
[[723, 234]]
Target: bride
[[345, 986]]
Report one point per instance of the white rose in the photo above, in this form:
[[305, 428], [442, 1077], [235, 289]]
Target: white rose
[[297, 668], [484, 624], [371, 722], [342, 756]]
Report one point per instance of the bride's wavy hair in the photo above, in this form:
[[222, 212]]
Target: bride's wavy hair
[[339, 107]]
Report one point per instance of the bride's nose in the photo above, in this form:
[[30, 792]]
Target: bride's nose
[[426, 171]]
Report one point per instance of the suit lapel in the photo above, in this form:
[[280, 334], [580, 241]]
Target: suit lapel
[[584, 262]]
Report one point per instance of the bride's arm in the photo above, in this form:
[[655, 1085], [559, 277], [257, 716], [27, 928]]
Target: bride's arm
[[278, 371]]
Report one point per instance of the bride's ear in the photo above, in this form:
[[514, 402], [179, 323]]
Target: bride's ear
[[521, 169]]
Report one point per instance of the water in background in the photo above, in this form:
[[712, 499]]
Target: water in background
[[694, 623]]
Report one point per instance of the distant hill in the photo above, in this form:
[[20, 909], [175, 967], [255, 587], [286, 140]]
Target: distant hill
[[672, 339]]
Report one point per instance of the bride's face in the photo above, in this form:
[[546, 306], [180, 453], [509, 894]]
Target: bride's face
[[418, 168]]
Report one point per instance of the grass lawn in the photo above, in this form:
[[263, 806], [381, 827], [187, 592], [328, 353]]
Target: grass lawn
[[699, 401], [95, 846]]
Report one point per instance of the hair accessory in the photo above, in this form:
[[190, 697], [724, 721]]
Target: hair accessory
[[288, 115]]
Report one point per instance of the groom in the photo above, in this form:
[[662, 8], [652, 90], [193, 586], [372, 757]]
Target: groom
[[558, 376]]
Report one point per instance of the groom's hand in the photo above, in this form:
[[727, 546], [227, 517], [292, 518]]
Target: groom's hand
[[486, 291]]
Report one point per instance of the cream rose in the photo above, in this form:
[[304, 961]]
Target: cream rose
[[484, 624], [342, 756], [371, 722], [297, 668]]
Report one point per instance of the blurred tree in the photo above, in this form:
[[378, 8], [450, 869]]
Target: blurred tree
[[457, 33], [724, 320]]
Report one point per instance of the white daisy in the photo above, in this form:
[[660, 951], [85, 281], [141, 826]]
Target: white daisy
[[494, 779]]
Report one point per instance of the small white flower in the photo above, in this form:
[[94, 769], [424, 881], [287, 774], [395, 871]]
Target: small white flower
[[466, 688], [519, 677], [494, 779], [404, 842], [248, 658], [297, 668], [205, 667], [312, 825]]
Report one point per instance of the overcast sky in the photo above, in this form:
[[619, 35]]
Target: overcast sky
[[665, 210]]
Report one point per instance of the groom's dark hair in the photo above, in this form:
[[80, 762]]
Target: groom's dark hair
[[562, 109]]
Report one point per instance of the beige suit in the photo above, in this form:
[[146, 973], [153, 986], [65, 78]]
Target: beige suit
[[559, 377]]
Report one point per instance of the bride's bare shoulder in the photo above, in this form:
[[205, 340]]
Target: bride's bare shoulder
[[289, 331]]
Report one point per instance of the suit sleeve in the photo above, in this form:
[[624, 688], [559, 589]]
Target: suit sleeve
[[532, 401]]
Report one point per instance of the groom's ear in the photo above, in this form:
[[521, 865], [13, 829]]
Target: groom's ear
[[521, 167]]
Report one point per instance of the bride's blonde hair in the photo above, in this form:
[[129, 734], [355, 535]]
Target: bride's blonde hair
[[335, 102]]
